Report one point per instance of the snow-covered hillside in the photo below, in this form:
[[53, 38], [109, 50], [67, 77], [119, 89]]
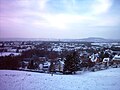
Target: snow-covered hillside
[[20, 80]]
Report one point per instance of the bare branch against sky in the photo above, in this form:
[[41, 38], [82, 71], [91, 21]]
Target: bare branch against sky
[[60, 18]]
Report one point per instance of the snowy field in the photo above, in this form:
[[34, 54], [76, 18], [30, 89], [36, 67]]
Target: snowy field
[[20, 80]]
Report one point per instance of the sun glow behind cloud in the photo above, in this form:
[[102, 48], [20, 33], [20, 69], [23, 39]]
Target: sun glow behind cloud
[[62, 20], [101, 6]]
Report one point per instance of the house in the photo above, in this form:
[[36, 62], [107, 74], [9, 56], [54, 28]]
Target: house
[[116, 61]]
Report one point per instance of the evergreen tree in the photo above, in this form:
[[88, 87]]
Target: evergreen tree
[[71, 63]]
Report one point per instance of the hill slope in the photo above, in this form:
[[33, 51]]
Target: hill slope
[[100, 80]]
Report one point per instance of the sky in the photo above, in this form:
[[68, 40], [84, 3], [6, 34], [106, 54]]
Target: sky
[[60, 19]]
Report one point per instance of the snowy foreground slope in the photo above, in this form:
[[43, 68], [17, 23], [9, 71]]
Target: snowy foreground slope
[[20, 80]]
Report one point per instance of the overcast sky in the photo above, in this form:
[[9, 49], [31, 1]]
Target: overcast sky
[[68, 19]]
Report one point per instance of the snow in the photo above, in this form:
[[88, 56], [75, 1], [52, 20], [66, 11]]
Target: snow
[[20, 80], [8, 53], [116, 57]]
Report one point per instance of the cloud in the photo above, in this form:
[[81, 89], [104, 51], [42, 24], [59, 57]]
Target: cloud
[[64, 20], [37, 12], [101, 6], [62, 15], [106, 21], [42, 4]]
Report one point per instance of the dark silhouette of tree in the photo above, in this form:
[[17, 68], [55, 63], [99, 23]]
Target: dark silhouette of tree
[[52, 67], [53, 55], [10, 62], [71, 63], [31, 65]]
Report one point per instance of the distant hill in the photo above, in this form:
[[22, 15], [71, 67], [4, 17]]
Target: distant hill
[[96, 39], [90, 39]]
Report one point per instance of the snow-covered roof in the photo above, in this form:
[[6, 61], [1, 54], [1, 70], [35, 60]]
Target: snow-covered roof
[[116, 57]]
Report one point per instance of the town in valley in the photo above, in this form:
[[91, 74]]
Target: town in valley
[[63, 56]]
